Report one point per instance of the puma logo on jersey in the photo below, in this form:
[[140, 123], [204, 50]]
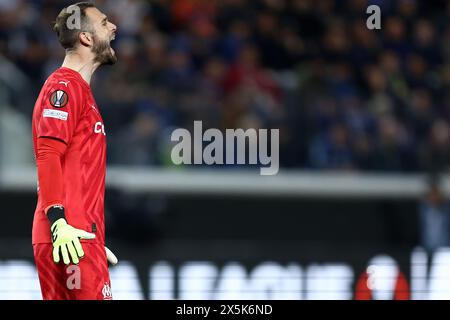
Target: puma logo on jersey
[[66, 83], [99, 128]]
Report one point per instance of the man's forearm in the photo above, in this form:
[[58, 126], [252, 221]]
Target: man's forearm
[[50, 176]]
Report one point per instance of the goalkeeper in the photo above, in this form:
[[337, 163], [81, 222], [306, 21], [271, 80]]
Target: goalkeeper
[[70, 147]]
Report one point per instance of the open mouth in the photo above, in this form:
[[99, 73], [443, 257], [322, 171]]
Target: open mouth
[[111, 40]]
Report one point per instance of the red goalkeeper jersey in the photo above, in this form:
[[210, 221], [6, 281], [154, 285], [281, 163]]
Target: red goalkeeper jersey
[[66, 110]]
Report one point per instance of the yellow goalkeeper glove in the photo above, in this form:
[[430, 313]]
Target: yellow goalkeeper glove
[[66, 240]]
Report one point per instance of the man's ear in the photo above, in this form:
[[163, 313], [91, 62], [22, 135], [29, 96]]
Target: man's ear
[[86, 39]]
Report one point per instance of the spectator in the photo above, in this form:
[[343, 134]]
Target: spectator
[[434, 219], [435, 153]]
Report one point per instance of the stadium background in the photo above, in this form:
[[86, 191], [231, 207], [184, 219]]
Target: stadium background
[[364, 139]]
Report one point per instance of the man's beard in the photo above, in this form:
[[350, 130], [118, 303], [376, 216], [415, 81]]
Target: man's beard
[[102, 51]]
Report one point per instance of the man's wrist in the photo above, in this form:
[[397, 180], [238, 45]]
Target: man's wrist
[[55, 213]]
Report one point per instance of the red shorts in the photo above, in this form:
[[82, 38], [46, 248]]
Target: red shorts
[[89, 280]]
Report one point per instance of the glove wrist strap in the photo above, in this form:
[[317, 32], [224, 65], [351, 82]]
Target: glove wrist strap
[[55, 213]]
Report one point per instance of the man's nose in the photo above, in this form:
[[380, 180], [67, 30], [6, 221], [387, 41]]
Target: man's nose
[[113, 27]]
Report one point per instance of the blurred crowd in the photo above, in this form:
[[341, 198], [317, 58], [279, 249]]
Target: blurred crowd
[[344, 97]]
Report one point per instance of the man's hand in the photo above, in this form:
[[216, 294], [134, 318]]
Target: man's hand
[[66, 239]]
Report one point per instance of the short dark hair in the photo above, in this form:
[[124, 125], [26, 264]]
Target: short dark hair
[[68, 37]]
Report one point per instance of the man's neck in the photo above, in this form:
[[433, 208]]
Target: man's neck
[[85, 67]]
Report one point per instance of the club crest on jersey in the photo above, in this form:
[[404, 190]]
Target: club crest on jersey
[[59, 99], [106, 291]]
